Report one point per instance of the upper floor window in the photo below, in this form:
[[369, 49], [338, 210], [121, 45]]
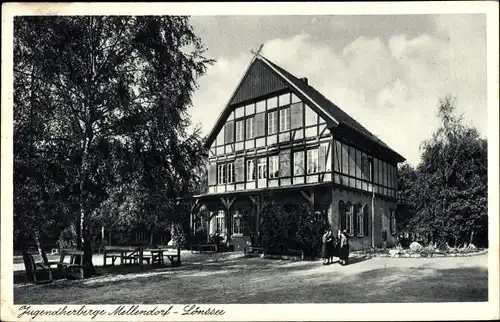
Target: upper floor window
[[240, 131], [298, 163], [274, 166], [285, 120], [230, 172], [366, 167], [221, 174], [312, 161], [261, 168], [272, 122], [250, 170], [250, 128]]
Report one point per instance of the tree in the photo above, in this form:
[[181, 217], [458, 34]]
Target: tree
[[115, 91], [450, 187]]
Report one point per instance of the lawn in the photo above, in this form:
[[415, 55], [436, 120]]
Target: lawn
[[231, 278]]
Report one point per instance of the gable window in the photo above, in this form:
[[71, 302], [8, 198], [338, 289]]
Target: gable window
[[230, 172], [229, 132], [298, 163], [285, 120], [392, 222], [272, 122], [311, 116], [284, 99], [250, 170], [274, 167], [250, 128], [240, 131], [221, 174], [312, 161], [261, 169]]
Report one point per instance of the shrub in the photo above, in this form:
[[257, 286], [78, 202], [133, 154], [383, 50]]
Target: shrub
[[275, 226], [309, 233]]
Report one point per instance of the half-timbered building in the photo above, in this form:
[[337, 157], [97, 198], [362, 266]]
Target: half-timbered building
[[278, 135]]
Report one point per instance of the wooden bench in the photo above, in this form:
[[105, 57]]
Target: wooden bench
[[210, 248], [35, 269], [71, 263]]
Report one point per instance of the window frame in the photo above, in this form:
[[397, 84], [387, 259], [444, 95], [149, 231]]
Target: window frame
[[314, 152], [301, 166], [230, 173], [237, 219], [261, 166], [220, 217], [248, 121], [274, 125], [273, 160], [349, 218], [221, 173], [242, 130], [284, 114], [247, 170], [359, 221]]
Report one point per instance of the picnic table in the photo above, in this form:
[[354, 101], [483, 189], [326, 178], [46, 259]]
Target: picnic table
[[134, 255], [126, 254], [158, 255]]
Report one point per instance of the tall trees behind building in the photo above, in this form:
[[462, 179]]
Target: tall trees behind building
[[445, 197]]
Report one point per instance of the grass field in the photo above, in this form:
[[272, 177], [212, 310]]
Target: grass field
[[231, 278]]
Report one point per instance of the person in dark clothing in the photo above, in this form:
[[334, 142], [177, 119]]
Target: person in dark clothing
[[331, 246], [344, 248], [326, 239]]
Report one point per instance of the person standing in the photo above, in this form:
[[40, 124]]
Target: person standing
[[344, 247], [324, 248], [331, 246]]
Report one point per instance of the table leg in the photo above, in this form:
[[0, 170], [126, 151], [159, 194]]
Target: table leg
[[141, 256]]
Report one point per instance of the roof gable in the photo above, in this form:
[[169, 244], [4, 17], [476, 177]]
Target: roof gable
[[258, 81]]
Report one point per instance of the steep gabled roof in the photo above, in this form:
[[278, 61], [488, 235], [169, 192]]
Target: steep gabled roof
[[323, 106]]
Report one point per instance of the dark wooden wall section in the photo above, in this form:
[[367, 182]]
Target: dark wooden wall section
[[259, 81]]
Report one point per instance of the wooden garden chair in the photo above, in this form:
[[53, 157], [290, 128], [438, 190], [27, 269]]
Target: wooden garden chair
[[35, 271]]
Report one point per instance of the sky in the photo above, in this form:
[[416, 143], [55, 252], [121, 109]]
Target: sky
[[387, 72]]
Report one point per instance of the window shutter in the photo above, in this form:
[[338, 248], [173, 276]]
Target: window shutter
[[260, 124], [322, 158], [229, 132], [212, 172], [239, 170], [342, 213], [285, 163], [296, 115], [365, 221]]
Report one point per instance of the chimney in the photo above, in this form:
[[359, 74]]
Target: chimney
[[304, 79]]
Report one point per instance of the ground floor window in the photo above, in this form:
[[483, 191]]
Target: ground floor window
[[392, 222], [359, 221], [346, 217], [220, 222], [237, 223]]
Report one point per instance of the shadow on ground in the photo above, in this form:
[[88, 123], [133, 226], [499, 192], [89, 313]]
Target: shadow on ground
[[236, 279]]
